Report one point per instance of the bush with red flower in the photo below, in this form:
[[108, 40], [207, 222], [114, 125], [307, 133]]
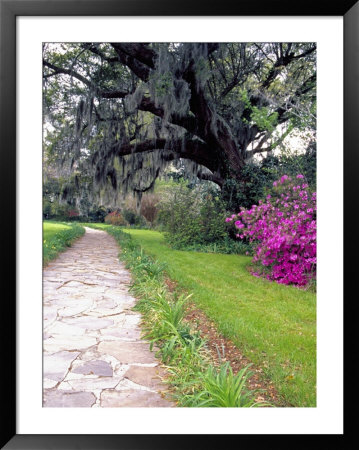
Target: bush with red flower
[[283, 231], [115, 218]]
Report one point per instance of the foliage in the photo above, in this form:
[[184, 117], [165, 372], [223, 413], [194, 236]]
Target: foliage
[[60, 211], [123, 112], [258, 176], [283, 228], [97, 214], [57, 236], [221, 388], [70, 198], [115, 218], [273, 324], [132, 218], [192, 216]]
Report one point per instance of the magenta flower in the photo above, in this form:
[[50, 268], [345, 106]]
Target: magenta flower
[[283, 234]]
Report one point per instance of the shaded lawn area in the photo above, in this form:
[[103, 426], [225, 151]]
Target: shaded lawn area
[[274, 325], [57, 236]]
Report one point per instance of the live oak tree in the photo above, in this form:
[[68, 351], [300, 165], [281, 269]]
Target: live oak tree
[[121, 112]]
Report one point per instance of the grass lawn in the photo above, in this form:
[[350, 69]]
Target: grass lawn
[[57, 236], [274, 325]]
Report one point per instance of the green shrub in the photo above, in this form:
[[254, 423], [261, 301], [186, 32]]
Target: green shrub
[[133, 218], [97, 214], [258, 177], [192, 216]]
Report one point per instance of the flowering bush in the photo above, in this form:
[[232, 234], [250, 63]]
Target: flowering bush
[[283, 229], [72, 213], [115, 218]]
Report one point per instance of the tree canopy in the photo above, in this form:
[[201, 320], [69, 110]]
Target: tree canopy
[[119, 113]]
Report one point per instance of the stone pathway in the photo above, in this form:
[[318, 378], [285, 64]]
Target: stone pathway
[[93, 352]]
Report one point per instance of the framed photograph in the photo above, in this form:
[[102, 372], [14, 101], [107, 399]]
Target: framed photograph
[[262, 67]]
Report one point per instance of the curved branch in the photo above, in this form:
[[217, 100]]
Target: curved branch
[[188, 122], [193, 149], [211, 177], [137, 67], [104, 94], [57, 70], [141, 52]]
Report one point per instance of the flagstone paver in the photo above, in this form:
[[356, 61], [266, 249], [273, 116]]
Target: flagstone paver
[[93, 352]]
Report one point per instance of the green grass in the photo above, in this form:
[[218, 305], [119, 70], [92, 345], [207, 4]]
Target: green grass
[[57, 236], [273, 325]]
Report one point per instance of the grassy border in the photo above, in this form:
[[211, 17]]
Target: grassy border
[[193, 380], [60, 241]]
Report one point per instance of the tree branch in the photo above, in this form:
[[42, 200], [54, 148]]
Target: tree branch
[[137, 67], [251, 153], [72, 73], [193, 149], [187, 122], [211, 177], [104, 94], [141, 52], [284, 61], [307, 86]]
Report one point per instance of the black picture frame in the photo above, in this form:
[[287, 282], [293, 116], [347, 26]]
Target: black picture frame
[[9, 10]]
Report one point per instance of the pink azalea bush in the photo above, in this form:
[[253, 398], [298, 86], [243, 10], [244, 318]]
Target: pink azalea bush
[[283, 231]]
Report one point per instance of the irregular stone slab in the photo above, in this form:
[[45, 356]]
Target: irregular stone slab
[[106, 303], [57, 364], [92, 384], [89, 323], [130, 320], [65, 329], [128, 352], [95, 367], [70, 311], [104, 313], [48, 384], [62, 301], [49, 316], [60, 342], [64, 386], [76, 284], [68, 399], [90, 354], [123, 333], [146, 376], [133, 398], [53, 273]]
